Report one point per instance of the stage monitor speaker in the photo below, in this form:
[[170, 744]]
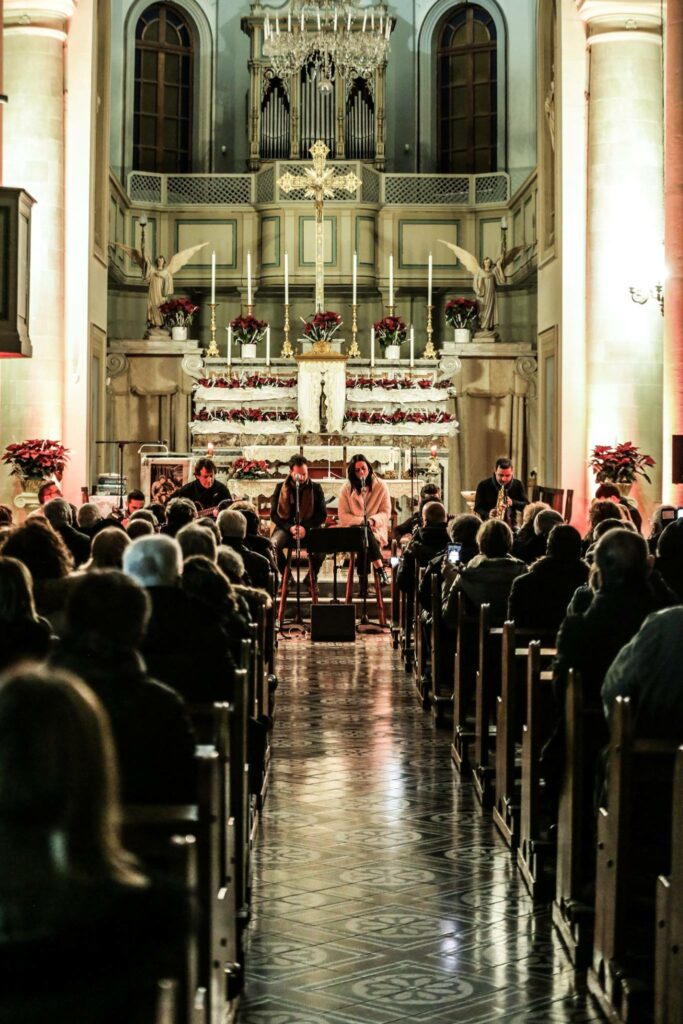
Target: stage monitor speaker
[[333, 623], [677, 459]]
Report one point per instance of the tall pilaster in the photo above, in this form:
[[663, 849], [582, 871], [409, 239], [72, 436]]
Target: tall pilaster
[[673, 244], [625, 228], [32, 390]]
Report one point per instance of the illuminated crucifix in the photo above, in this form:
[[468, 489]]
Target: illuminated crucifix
[[320, 183]]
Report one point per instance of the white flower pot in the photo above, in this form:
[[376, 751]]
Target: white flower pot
[[179, 333], [248, 351], [392, 352], [462, 335]]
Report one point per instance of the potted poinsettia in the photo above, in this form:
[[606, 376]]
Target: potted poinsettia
[[322, 326], [619, 464], [390, 333], [36, 460], [178, 315], [247, 331], [463, 316]]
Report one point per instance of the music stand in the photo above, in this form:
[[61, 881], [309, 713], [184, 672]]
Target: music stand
[[331, 541]]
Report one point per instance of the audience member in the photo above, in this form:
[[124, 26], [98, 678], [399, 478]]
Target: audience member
[[661, 517], [254, 539], [135, 501], [525, 540], [194, 540], [233, 528], [207, 523], [5, 515], [487, 578], [231, 563], [539, 598], [428, 492], [206, 583], [669, 560], [23, 633], [46, 557], [88, 519], [158, 511], [147, 515], [107, 616], [428, 541], [599, 510], [139, 528], [611, 492], [108, 547], [179, 512], [47, 491], [58, 514]]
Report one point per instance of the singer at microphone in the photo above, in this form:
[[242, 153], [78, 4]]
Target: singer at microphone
[[312, 511], [363, 496]]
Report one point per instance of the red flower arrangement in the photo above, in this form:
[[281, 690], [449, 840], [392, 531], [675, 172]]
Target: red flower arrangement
[[36, 459], [398, 416], [323, 326], [246, 415], [396, 383], [178, 312], [391, 330], [247, 330], [253, 380], [619, 463], [462, 313], [249, 469]]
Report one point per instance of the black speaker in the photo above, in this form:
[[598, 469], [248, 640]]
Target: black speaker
[[677, 459], [334, 623]]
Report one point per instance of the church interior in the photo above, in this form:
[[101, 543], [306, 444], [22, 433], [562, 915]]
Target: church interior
[[388, 294]]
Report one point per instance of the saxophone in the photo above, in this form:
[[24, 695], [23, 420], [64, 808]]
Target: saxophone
[[501, 505]]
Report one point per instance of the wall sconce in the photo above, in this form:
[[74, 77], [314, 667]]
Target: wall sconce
[[641, 296]]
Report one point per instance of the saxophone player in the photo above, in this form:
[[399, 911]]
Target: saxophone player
[[501, 495]]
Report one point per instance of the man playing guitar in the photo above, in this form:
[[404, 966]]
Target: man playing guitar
[[205, 491]]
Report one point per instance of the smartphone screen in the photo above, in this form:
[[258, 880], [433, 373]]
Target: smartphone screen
[[453, 554], [394, 560], [679, 513]]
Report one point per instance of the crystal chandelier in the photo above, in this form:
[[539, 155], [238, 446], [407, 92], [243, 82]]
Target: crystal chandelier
[[326, 39]]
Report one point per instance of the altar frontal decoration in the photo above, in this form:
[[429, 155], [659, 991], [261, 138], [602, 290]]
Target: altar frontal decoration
[[390, 333], [249, 469], [363, 390], [246, 387], [36, 459], [253, 381], [245, 420], [399, 421]]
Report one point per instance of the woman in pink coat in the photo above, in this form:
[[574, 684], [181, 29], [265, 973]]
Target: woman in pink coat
[[365, 494]]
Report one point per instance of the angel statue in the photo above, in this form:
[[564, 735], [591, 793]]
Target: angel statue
[[158, 275], [486, 279]]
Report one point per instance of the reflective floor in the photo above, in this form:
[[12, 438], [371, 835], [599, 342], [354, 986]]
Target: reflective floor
[[381, 891]]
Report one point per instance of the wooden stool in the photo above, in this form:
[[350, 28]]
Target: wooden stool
[[378, 588], [286, 575]]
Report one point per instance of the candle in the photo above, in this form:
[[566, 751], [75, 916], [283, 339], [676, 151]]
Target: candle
[[429, 281], [434, 451], [286, 278], [355, 278], [249, 303], [391, 279], [412, 346], [229, 347], [504, 223], [213, 278], [267, 346], [209, 449], [372, 347]]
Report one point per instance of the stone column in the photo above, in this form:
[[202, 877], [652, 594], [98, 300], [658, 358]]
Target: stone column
[[31, 390], [673, 246], [624, 228]]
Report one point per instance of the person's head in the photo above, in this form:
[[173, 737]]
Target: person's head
[[232, 525], [42, 551], [463, 529], [250, 513], [205, 472], [107, 610], [139, 528], [298, 468], [503, 470], [154, 561], [601, 509], [5, 515], [88, 515], [58, 512], [146, 514], [203, 580], [194, 540], [662, 516], [359, 471], [135, 500], [564, 543], [159, 512], [612, 524], [106, 551], [670, 543], [531, 511], [58, 772], [179, 512], [546, 519], [48, 491], [488, 263], [16, 592], [429, 492], [621, 557], [434, 514], [494, 538], [231, 563], [607, 492]]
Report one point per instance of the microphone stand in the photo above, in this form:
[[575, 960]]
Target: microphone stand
[[364, 616], [297, 520]]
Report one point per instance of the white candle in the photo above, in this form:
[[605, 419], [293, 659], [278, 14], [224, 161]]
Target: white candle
[[372, 347], [286, 278], [355, 278], [229, 347], [429, 281], [504, 223], [267, 346], [213, 277], [209, 449], [391, 279], [249, 278], [412, 346]]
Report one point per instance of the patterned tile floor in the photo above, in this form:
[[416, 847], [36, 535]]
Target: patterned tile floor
[[381, 892]]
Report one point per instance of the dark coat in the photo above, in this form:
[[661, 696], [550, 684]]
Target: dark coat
[[483, 581], [487, 495], [317, 518], [426, 544], [78, 543], [262, 546], [529, 545], [27, 638], [204, 497], [257, 567], [539, 598]]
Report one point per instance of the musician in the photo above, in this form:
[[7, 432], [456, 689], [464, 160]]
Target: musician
[[205, 491], [312, 511], [488, 491], [365, 495]]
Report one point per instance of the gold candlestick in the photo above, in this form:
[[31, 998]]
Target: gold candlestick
[[212, 351], [287, 350], [391, 310], [430, 351], [354, 351], [250, 309]]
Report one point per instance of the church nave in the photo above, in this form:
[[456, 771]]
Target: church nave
[[381, 892]]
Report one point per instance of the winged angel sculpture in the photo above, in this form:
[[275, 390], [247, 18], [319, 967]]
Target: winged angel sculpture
[[158, 275], [485, 280]]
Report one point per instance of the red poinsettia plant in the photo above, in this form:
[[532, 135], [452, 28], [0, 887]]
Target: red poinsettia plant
[[322, 326], [619, 463], [392, 330], [247, 380], [462, 313], [249, 469], [246, 415], [36, 459], [247, 330], [178, 312]]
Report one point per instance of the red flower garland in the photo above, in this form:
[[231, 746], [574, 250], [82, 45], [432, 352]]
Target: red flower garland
[[246, 415], [398, 416]]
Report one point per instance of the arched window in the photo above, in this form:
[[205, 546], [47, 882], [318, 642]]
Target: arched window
[[467, 91], [162, 123]]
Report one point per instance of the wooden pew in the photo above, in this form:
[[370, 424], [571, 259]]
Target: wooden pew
[[669, 941], [535, 855], [573, 916], [395, 598], [510, 707], [421, 664], [634, 847], [241, 805], [486, 684], [441, 690], [407, 633], [465, 666]]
